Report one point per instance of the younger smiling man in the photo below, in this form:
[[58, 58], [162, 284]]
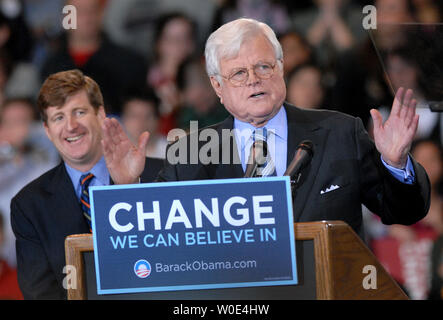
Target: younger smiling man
[[48, 209]]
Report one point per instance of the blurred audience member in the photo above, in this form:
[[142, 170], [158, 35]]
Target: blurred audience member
[[43, 18], [20, 160], [174, 42], [272, 12], [361, 76], [132, 22], [14, 33], [406, 250], [199, 102], [394, 11], [394, 17], [436, 291], [22, 82], [305, 87], [427, 11], [403, 71], [296, 50], [5, 72], [334, 30], [391, 15], [116, 69], [332, 27], [18, 76], [140, 113], [430, 155], [9, 289]]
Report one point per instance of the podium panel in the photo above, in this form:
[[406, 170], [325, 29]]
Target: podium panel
[[332, 263]]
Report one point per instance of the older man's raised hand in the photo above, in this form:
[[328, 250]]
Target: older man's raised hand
[[124, 160], [393, 138]]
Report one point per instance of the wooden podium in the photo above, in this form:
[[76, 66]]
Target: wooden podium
[[331, 263]]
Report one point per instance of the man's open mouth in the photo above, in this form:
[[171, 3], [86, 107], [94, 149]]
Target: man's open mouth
[[74, 139], [257, 95]]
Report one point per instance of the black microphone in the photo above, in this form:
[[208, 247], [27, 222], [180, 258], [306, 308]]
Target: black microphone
[[303, 155], [257, 156]]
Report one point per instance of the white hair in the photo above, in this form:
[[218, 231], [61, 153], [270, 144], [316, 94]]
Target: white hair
[[225, 42]]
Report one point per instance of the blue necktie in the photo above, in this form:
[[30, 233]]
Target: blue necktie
[[85, 180], [267, 169]]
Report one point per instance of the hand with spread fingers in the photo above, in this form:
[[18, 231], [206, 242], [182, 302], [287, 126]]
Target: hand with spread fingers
[[393, 138], [124, 160]]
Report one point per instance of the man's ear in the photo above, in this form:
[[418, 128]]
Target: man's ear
[[217, 86]]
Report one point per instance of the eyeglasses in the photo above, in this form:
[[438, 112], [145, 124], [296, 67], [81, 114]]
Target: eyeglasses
[[239, 76]]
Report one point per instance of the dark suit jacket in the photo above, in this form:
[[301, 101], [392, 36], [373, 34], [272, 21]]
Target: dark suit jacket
[[43, 214], [344, 156]]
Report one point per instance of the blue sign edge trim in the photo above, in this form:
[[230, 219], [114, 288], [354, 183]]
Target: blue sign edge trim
[[198, 287], [285, 179], [94, 238]]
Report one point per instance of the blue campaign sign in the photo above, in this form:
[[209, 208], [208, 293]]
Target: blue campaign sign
[[193, 235]]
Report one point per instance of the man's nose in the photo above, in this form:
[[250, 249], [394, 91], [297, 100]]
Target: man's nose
[[252, 77], [72, 123]]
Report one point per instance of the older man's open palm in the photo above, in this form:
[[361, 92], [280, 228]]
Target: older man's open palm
[[393, 138], [124, 160]]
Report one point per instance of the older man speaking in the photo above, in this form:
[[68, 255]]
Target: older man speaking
[[244, 63]]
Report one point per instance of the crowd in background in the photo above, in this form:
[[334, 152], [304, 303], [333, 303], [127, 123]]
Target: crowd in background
[[147, 57]]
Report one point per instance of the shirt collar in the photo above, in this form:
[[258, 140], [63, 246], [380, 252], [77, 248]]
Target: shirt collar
[[278, 125], [99, 170]]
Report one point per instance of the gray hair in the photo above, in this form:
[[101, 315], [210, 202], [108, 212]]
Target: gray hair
[[225, 42]]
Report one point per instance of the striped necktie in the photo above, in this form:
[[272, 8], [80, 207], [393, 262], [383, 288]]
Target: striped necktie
[[85, 180], [266, 169]]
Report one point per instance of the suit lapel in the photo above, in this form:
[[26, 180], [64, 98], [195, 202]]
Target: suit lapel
[[63, 206], [230, 167], [302, 127]]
